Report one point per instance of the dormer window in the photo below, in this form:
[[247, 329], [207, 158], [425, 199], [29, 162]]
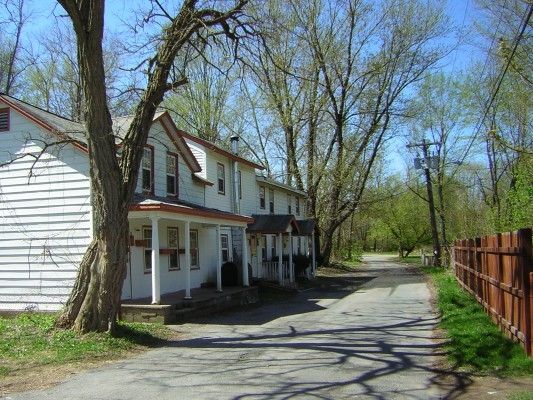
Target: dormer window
[[147, 170], [4, 119], [221, 178]]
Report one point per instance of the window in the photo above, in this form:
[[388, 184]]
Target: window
[[271, 200], [173, 258], [264, 248], [289, 204], [221, 179], [262, 201], [274, 246], [172, 174], [147, 173], [224, 245], [147, 237], [297, 206], [194, 249], [4, 119]]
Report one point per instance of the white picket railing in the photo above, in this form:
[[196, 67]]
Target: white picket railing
[[269, 272]]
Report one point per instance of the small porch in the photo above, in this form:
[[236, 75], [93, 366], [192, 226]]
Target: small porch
[[174, 308]]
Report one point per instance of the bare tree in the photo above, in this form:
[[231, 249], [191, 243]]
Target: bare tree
[[95, 299], [11, 48], [368, 54]]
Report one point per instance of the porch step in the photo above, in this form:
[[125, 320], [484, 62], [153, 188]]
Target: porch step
[[203, 303], [276, 286]]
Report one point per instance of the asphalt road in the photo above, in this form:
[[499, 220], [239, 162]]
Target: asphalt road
[[368, 335]]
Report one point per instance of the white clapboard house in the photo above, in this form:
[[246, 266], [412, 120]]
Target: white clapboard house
[[197, 207]]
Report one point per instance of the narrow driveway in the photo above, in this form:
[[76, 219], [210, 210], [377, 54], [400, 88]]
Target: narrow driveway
[[367, 335]]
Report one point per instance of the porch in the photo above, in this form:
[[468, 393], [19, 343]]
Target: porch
[[175, 308]]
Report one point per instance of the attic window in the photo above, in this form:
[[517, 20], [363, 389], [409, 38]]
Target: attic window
[[4, 119]]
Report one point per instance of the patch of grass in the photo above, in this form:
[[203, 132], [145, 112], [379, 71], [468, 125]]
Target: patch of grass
[[520, 396], [473, 341], [339, 268], [32, 339]]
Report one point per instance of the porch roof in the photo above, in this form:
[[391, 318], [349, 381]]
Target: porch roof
[[307, 226], [150, 204], [273, 224]]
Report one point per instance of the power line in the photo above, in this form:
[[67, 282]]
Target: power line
[[525, 22]]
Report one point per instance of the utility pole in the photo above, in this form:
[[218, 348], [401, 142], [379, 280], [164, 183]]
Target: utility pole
[[426, 164]]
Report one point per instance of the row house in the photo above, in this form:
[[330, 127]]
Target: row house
[[197, 207]]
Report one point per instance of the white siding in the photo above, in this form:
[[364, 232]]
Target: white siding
[[250, 191], [45, 219], [138, 283], [213, 198], [189, 191]]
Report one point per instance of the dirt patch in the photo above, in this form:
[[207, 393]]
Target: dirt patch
[[44, 376], [470, 387]]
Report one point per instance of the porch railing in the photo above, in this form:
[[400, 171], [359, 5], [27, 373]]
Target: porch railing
[[270, 272]]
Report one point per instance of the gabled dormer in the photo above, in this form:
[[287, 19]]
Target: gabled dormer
[[168, 164]]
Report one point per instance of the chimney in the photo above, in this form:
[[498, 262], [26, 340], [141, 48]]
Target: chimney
[[234, 144]]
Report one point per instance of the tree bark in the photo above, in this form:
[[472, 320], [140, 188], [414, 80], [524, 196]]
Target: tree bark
[[95, 299]]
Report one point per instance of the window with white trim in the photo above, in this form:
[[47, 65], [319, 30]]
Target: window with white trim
[[147, 237], [147, 170], [297, 199], [224, 246], [221, 179], [173, 244], [264, 248], [262, 198], [271, 200], [193, 234], [289, 204], [172, 174]]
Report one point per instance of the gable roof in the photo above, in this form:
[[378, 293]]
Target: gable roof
[[272, 182], [62, 127], [216, 149], [275, 223], [307, 226], [122, 124], [67, 129]]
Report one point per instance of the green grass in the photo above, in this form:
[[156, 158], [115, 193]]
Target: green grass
[[32, 340], [473, 342]]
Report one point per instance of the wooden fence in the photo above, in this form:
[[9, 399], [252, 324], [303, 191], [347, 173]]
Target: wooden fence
[[498, 271]]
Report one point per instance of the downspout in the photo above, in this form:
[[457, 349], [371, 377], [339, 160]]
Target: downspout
[[235, 149]]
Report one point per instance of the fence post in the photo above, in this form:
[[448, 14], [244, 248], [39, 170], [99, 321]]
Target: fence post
[[525, 243]]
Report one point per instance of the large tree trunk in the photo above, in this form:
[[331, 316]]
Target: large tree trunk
[[95, 299]]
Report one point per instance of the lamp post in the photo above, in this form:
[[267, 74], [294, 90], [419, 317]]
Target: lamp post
[[425, 164]]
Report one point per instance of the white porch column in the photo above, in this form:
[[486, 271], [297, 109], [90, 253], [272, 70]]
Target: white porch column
[[156, 278], [187, 260], [245, 277], [313, 266], [219, 258], [280, 259], [291, 269]]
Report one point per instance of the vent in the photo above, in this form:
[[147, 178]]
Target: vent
[[4, 119]]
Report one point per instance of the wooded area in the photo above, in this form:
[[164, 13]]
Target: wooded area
[[325, 94]]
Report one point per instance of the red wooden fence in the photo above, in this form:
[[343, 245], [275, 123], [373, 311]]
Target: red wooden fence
[[498, 271]]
